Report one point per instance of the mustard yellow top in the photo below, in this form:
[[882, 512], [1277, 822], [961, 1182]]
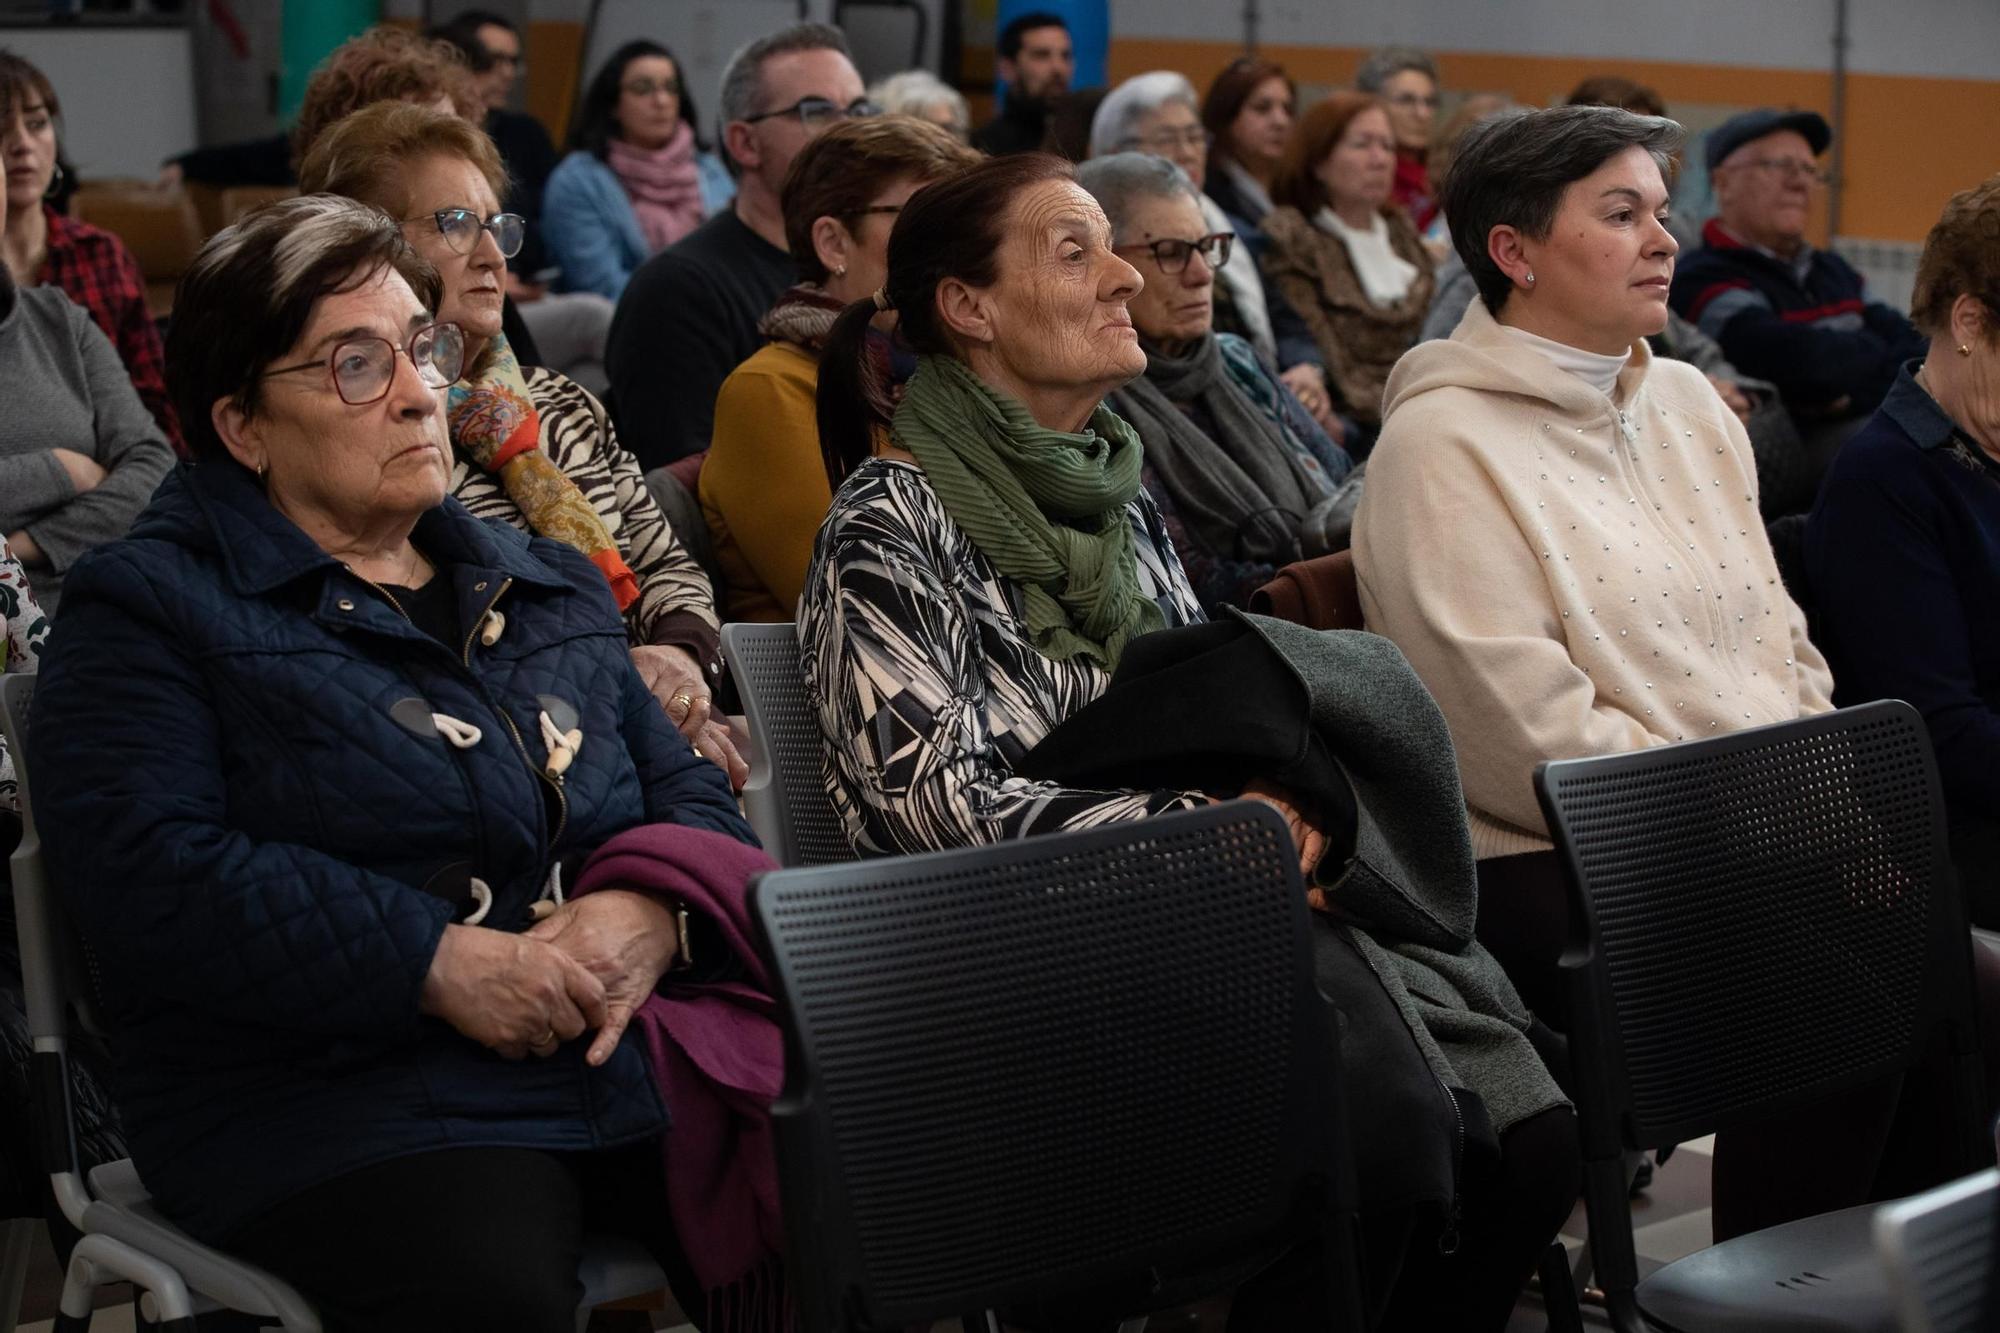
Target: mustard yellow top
[[763, 486]]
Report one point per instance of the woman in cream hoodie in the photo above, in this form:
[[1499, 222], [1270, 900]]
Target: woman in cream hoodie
[[1559, 530]]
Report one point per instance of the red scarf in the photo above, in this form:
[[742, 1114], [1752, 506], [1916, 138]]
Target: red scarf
[[1412, 190]]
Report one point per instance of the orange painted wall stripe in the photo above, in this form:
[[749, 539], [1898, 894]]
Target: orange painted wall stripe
[[1911, 142]]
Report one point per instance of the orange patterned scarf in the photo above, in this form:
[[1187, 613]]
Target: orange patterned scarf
[[494, 421]]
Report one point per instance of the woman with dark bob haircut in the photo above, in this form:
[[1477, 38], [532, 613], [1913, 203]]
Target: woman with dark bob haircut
[[1903, 548], [638, 176], [1560, 531], [318, 752]]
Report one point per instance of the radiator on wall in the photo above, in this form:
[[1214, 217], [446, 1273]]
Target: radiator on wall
[[1889, 266]]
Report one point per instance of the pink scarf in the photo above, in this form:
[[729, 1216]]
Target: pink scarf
[[663, 184]]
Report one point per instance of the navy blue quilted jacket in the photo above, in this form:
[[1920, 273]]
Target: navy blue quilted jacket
[[262, 834]]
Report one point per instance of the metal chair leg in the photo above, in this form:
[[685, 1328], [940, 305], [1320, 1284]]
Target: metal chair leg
[[99, 1259], [1558, 1293], [19, 1246]]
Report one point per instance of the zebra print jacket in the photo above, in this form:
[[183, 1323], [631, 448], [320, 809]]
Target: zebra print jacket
[[926, 687], [676, 605]]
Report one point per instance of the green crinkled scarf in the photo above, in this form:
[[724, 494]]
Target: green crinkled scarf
[[1046, 507]]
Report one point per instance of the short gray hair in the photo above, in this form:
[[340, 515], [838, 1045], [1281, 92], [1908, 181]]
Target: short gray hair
[[1390, 61], [1512, 171], [743, 76], [915, 91], [1114, 128], [1121, 180]]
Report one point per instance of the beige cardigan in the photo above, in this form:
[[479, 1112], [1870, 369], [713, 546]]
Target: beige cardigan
[[1572, 574]]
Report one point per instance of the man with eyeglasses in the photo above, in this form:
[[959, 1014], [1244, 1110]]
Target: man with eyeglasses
[[1036, 60], [689, 314], [1784, 310]]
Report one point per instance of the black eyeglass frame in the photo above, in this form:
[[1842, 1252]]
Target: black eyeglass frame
[[1215, 249], [859, 109]]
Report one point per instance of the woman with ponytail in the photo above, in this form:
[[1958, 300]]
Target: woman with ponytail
[[988, 558], [978, 575]]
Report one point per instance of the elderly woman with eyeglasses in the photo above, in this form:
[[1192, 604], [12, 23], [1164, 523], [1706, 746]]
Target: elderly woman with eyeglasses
[[1406, 81], [322, 750], [637, 177], [1158, 113], [531, 446], [1243, 477]]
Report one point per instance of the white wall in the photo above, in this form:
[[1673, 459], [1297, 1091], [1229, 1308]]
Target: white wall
[[1937, 38], [127, 93]]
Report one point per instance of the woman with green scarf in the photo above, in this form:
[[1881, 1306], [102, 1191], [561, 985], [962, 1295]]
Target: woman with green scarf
[[983, 567], [532, 447], [976, 579]]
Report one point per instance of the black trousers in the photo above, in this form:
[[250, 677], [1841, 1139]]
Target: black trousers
[[465, 1237], [1510, 1207], [1877, 1142]]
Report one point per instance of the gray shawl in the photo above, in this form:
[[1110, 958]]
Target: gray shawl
[[1244, 495], [1411, 880]]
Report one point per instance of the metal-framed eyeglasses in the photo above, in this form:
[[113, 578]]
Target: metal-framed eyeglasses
[[460, 228], [815, 112], [1786, 168], [364, 368], [1172, 255]]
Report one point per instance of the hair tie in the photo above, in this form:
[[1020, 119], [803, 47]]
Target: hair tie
[[881, 299]]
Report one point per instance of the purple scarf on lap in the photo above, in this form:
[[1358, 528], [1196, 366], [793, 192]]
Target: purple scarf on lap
[[718, 1059]]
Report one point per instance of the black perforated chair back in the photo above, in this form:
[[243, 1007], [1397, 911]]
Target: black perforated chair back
[[1765, 917], [59, 974], [786, 798], [1078, 1067]]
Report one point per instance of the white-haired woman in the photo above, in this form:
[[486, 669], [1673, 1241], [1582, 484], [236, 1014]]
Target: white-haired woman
[[920, 93], [1159, 113]]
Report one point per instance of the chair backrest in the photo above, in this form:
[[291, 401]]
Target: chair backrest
[[1066, 1069], [240, 201], [786, 798], [54, 969], [1758, 921], [159, 227], [1938, 1248]]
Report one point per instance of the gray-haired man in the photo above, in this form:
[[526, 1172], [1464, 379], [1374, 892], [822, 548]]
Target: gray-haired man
[[689, 315]]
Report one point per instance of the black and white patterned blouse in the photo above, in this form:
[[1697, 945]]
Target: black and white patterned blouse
[[927, 689], [577, 436]]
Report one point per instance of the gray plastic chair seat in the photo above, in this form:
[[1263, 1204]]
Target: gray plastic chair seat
[[1937, 1251], [616, 1268], [122, 1209], [1816, 1273]]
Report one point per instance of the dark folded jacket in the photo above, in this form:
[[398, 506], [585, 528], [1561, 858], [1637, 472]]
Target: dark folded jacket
[[1340, 719]]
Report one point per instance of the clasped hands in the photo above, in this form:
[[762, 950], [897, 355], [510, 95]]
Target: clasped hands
[[586, 967]]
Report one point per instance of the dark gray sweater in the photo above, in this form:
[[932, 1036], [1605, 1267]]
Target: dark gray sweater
[[63, 386]]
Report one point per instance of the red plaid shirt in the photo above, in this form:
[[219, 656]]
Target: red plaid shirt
[[98, 273]]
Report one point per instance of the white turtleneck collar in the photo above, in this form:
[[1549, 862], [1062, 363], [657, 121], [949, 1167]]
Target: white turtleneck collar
[[1597, 370]]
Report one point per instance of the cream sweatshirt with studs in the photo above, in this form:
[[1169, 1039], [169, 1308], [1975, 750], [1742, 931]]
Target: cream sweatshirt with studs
[[1572, 573]]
